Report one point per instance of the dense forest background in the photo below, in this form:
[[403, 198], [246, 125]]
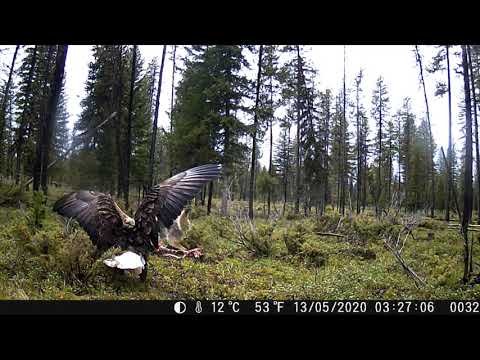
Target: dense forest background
[[327, 151], [226, 102]]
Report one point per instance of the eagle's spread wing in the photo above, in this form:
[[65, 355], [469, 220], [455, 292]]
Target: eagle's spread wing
[[165, 201], [96, 213]]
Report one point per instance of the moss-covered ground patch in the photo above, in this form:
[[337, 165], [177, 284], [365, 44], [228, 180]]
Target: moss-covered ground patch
[[41, 258]]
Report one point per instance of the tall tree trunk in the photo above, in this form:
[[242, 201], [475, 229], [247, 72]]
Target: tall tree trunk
[[60, 60], [449, 180], [3, 109], [343, 138], [477, 151], [227, 157], [297, 147], [174, 58], [117, 103], [390, 162], [155, 123], [359, 165], [285, 175], [379, 171], [254, 137], [42, 126], [226, 177], [270, 161], [419, 60], [27, 111], [171, 105], [468, 189], [399, 157], [129, 130], [327, 169]]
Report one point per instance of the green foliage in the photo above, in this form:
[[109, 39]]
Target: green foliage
[[295, 236], [255, 238], [106, 92], [38, 210], [11, 195]]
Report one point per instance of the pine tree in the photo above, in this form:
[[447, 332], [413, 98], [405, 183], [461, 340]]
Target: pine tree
[[41, 124], [129, 126], [324, 139], [225, 95], [3, 108], [468, 191], [25, 98], [359, 114], [380, 109], [269, 103], [255, 134], [283, 158], [47, 120]]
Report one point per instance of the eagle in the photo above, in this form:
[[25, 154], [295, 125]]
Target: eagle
[[161, 207]]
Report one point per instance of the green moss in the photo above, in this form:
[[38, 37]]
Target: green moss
[[290, 261]]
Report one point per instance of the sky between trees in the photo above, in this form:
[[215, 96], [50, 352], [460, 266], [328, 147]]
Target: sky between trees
[[396, 63]]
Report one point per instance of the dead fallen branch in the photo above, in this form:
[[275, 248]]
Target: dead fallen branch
[[396, 246], [168, 251], [405, 266]]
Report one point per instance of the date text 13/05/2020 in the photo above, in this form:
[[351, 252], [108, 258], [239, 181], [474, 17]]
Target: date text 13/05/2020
[[334, 307]]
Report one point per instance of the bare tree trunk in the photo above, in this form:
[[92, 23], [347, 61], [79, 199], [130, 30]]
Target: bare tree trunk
[[254, 137], [359, 165], [343, 137], [297, 147], [117, 95], [174, 58], [58, 75], [379, 182], [129, 130], [3, 113], [390, 162], [42, 126], [171, 105], [468, 189], [270, 162], [327, 136], [449, 181], [155, 122], [419, 60], [477, 152]]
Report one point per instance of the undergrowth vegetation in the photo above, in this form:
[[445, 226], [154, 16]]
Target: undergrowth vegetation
[[329, 257]]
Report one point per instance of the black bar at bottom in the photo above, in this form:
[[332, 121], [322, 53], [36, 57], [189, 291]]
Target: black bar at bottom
[[250, 307]]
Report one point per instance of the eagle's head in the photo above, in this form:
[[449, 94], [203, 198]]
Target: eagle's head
[[128, 222]]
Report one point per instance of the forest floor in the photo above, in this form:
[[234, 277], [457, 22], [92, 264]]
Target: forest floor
[[282, 259]]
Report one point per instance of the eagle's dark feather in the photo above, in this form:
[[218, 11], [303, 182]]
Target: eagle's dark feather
[[101, 218], [165, 201], [96, 213]]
